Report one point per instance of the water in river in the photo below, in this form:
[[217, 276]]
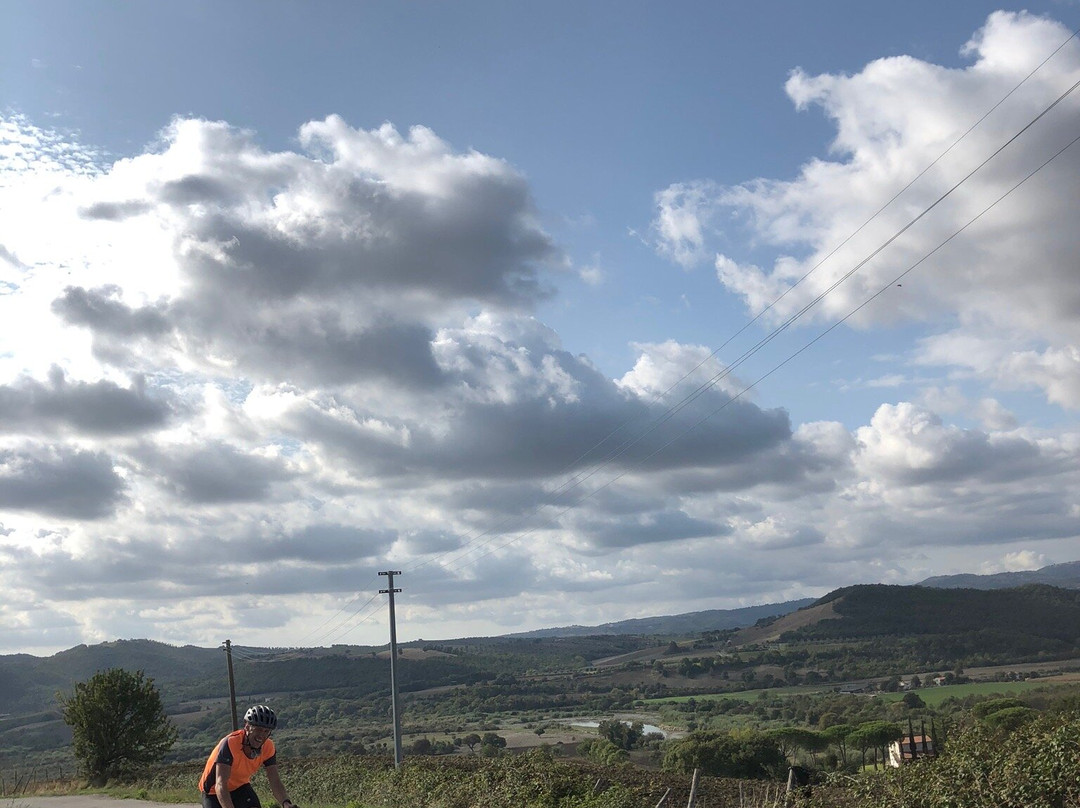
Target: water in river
[[588, 724]]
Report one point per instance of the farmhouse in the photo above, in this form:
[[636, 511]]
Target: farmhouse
[[851, 687], [909, 748]]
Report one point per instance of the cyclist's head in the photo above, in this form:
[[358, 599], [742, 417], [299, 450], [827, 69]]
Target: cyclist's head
[[260, 716]]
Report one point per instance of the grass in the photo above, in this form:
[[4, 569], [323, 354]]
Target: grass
[[532, 780]]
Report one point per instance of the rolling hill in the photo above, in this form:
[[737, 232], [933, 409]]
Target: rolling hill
[[688, 623], [1035, 616]]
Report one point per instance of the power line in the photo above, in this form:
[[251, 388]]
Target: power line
[[330, 632]]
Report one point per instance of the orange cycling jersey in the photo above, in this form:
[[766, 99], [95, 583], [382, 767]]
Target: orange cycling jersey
[[230, 752]]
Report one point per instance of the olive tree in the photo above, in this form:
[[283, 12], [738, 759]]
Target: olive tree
[[118, 724]]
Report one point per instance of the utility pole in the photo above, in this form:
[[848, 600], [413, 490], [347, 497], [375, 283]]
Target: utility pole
[[393, 664], [232, 685]]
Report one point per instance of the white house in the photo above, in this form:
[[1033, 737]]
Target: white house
[[904, 751]]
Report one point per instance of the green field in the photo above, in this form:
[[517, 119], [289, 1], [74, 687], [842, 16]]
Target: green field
[[932, 696]]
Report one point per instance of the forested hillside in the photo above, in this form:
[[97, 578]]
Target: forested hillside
[[689, 623], [29, 683], [1046, 616]]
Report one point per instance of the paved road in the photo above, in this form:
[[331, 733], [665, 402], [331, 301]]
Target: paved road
[[82, 801]]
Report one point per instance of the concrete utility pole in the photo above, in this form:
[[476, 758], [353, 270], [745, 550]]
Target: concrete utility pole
[[232, 685], [393, 664]]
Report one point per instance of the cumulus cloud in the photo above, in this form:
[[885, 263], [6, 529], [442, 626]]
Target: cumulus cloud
[[1020, 561], [323, 267], [1008, 278], [214, 472], [59, 481], [95, 408], [920, 478]]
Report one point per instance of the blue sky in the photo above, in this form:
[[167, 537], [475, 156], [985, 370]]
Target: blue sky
[[323, 289]]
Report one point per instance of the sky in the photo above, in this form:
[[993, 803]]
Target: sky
[[568, 313]]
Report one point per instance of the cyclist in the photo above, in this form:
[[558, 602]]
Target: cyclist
[[226, 778]]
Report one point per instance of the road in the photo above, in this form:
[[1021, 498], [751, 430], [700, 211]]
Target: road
[[82, 801]]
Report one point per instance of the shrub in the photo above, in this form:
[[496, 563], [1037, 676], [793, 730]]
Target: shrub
[[1033, 766]]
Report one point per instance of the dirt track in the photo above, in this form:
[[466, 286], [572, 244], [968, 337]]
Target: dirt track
[[82, 801]]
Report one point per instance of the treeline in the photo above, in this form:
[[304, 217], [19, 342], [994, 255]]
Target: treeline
[[798, 661], [509, 694]]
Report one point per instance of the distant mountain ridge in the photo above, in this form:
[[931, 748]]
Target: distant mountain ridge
[[688, 623], [1066, 576]]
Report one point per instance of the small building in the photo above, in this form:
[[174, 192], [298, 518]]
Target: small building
[[909, 748]]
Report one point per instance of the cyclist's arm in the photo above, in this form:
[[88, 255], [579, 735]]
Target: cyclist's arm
[[221, 784], [277, 787]]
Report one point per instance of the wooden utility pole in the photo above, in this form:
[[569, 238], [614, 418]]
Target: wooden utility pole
[[393, 664], [693, 790], [232, 685]]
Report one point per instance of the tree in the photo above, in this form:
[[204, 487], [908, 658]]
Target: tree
[[624, 736], [421, 746], [791, 739], [837, 735], [990, 706], [118, 724], [491, 745], [913, 700], [748, 755], [1009, 718], [601, 750], [471, 740], [874, 735]]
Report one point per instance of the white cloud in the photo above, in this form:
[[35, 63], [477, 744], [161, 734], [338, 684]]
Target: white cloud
[[1019, 561], [1008, 279], [683, 211]]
